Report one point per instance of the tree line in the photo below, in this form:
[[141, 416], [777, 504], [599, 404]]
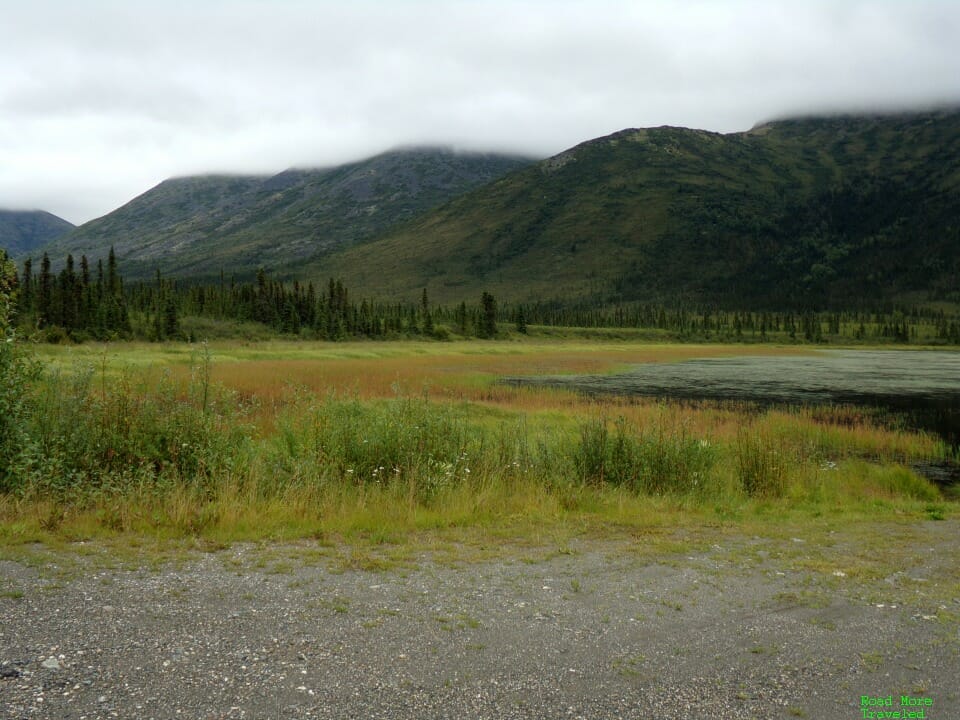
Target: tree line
[[81, 302], [887, 323], [75, 301]]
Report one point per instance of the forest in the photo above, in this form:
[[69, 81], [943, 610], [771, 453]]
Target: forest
[[82, 303]]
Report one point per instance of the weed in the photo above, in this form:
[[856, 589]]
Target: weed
[[872, 661], [627, 665], [821, 623], [337, 604]]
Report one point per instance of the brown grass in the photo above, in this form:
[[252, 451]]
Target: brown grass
[[464, 374]]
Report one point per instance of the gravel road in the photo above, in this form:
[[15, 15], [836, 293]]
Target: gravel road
[[742, 627]]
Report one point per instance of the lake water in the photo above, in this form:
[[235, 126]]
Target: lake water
[[921, 386]]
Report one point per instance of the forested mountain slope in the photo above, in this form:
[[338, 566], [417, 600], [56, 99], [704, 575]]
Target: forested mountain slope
[[845, 210]]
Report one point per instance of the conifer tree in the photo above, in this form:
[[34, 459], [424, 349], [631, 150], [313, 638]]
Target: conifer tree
[[521, 321], [25, 299], [68, 307], [427, 318], [86, 297], [488, 316], [99, 286], [45, 298], [113, 279], [171, 325], [462, 318]]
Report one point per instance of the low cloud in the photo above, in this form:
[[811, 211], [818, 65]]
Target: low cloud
[[105, 99]]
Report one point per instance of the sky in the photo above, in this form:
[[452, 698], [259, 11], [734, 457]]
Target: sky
[[100, 101]]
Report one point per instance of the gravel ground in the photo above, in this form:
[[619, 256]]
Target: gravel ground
[[739, 629]]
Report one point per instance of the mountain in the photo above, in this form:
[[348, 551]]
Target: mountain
[[828, 211], [196, 226], [24, 230]]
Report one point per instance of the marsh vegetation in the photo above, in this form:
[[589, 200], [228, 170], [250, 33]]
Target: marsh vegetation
[[378, 442]]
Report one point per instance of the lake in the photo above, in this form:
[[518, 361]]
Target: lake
[[921, 386]]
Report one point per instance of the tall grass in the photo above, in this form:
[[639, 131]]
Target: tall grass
[[408, 439], [762, 464], [656, 460]]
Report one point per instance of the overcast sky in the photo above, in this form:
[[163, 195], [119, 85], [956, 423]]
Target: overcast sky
[[99, 101]]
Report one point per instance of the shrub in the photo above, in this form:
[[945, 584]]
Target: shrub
[[78, 439], [18, 372]]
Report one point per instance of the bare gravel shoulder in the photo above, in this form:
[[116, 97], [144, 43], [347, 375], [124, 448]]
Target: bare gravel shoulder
[[742, 627]]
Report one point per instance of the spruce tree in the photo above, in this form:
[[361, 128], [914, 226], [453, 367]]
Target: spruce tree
[[25, 300], [69, 309], [427, 318], [171, 325], [488, 316], [521, 321], [45, 298], [113, 279], [86, 295], [462, 318]]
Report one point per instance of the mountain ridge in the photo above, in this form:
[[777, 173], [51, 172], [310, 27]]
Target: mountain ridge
[[198, 225], [22, 231], [794, 212]]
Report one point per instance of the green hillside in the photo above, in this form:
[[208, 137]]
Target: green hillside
[[23, 230], [196, 226], [817, 211]]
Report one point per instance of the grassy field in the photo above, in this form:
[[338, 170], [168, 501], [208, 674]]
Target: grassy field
[[394, 445]]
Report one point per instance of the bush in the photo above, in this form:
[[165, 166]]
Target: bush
[[79, 439], [55, 335], [18, 372]]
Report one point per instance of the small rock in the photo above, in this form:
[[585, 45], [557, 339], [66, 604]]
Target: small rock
[[51, 663]]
